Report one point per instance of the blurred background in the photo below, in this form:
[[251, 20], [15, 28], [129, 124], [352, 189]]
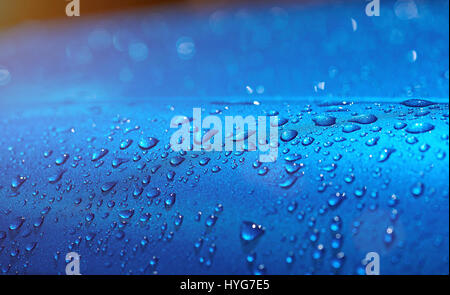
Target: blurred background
[[263, 50]]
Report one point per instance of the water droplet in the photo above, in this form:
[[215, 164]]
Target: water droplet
[[372, 141], [89, 217], [57, 176], [399, 125], [288, 135], [138, 51], [337, 262], [348, 128], [48, 153], [293, 157], [116, 163], [336, 199], [185, 48], [153, 192], [417, 103], [417, 189], [18, 181], [288, 182], [204, 161], [97, 155], [259, 270], [389, 235], [307, 140], [17, 223], [364, 119], [412, 139], [106, 187], [148, 143], [385, 154], [62, 159], [336, 224], [125, 144], [323, 120], [251, 257], [263, 170], [5, 76], [170, 200], [292, 168], [177, 160], [126, 214], [215, 169], [251, 231], [419, 127], [211, 220]]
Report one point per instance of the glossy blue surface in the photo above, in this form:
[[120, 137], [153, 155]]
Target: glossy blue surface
[[363, 156]]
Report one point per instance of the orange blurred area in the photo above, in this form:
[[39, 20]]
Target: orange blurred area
[[14, 12]]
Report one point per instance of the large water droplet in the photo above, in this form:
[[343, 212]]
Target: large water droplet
[[307, 140], [125, 144], [399, 125], [280, 121], [288, 135], [364, 119], [126, 214], [385, 154], [153, 192], [417, 189], [106, 187], [57, 176], [170, 200], [288, 182], [417, 103], [348, 128], [97, 155], [148, 143]]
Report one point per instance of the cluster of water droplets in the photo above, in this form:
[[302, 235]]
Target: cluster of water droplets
[[116, 190]]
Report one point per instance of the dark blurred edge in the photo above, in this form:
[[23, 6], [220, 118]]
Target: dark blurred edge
[[14, 12]]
